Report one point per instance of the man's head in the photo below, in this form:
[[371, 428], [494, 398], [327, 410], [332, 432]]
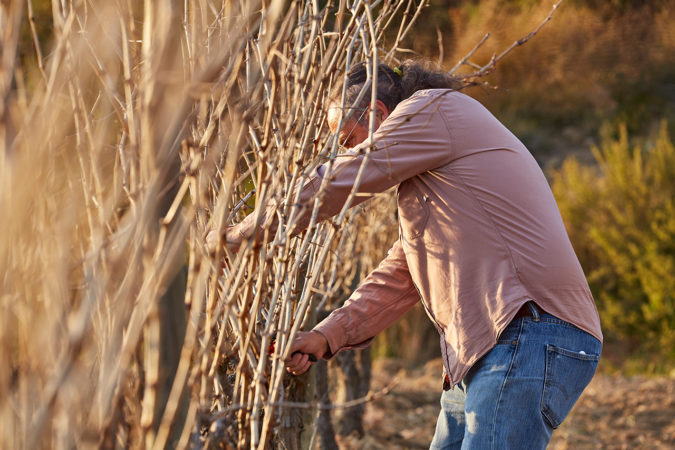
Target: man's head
[[393, 86], [355, 129]]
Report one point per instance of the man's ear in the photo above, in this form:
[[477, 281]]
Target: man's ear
[[381, 110]]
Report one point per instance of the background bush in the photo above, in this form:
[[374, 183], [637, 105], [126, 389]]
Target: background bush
[[620, 215], [595, 62]]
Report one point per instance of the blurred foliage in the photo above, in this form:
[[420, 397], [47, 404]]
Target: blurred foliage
[[594, 62], [620, 216], [597, 62], [42, 17]]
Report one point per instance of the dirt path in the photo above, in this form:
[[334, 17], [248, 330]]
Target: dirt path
[[614, 412]]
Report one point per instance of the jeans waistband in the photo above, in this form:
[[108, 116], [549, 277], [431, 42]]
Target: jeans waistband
[[529, 309]]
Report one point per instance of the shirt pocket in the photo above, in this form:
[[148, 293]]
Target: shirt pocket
[[413, 210], [567, 374]]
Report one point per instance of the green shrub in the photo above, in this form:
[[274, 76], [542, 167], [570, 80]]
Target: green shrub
[[596, 61], [621, 219]]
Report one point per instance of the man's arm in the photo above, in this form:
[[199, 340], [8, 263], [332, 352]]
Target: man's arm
[[412, 140], [386, 294]]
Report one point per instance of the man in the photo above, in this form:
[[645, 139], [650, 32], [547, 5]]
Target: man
[[482, 246]]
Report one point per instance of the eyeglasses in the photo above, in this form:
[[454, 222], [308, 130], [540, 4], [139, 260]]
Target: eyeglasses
[[345, 142]]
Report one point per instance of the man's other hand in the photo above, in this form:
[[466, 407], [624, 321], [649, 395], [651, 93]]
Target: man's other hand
[[306, 343], [232, 236]]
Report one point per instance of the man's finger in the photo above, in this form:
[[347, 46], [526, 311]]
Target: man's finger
[[294, 359], [306, 367], [212, 241], [303, 368], [297, 362]]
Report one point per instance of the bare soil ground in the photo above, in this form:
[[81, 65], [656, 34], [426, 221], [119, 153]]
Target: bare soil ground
[[615, 412]]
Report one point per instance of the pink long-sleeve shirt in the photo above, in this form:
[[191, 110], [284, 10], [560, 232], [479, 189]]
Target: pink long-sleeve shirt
[[480, 232]]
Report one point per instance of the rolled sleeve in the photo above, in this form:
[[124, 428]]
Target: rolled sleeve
[[412, 140], [386, 294]]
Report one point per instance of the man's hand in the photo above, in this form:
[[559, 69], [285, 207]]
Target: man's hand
[[233, 239], [306, 343]]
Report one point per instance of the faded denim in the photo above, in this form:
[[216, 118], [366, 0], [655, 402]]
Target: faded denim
[[518, 393]]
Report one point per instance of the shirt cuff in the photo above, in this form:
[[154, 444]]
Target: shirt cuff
[[336, 338], [334, 335]]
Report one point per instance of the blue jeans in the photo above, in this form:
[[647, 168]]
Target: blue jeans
[[522, 389]]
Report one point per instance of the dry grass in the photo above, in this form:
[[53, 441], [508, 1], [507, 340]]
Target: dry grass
[[143, 127]]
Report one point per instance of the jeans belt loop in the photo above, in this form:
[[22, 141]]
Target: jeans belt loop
[[535, 311]]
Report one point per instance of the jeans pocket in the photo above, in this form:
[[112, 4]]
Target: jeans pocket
[[567, 374]]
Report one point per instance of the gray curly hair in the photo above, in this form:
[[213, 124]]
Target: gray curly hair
[[395, 85]]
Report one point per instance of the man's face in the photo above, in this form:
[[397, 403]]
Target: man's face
[[355, 130]]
